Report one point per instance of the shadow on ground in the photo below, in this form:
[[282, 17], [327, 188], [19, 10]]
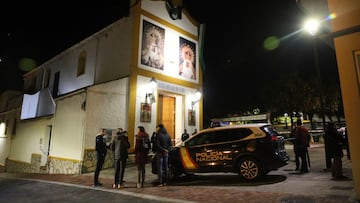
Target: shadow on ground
[[224, 180]]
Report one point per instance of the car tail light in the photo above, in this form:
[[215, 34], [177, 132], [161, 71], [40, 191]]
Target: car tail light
[[274, 138]]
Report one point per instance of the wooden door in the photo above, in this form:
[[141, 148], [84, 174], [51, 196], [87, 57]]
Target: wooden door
[[166, 114]]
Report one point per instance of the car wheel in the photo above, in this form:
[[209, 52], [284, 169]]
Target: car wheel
[[249, 169]]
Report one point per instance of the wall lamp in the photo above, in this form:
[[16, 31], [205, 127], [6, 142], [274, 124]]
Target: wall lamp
[[196, 99], [174, 8], [153, 85]]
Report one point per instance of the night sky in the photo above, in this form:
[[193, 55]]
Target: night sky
[[237, 65]]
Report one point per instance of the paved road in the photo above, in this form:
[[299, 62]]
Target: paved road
[[282, 185], [35, 191]]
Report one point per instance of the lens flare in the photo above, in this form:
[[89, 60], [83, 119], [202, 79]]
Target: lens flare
[[271, 43], [331, 16], [27, 64]]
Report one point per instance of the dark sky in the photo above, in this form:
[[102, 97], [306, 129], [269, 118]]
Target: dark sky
[[236, 64]]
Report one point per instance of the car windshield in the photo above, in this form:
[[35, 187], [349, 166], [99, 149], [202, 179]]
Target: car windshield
[[271, 131]]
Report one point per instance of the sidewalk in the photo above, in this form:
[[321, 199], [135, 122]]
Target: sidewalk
[[315, 186]]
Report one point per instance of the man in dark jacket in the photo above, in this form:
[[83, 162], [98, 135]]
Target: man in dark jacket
[[163, 143], [100, 146], [184, 136], [334, 140], [120, 145]]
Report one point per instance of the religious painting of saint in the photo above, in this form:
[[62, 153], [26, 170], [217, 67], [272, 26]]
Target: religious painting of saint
[[187, 68], [152, 45]]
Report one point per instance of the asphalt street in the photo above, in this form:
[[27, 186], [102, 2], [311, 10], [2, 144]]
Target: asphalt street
[[283, 185]]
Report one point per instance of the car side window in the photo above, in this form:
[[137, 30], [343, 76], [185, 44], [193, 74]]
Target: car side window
[[198, 140], [231, 135], [219, 136], [242, 133]]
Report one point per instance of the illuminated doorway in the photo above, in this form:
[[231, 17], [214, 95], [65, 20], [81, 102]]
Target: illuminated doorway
[[170, 113]]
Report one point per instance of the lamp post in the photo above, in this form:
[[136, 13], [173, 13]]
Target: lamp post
[[196, 98], [311, 26]]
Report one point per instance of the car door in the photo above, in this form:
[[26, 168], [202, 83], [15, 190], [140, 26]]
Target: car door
[[203, 153]]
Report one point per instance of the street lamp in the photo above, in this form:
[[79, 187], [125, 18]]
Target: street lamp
[[312, 26], [197, 97], [153, 85]]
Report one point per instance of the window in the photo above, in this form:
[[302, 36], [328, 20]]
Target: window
[[269, 130], [14, 126], [81, 63], [199, 139], [55, 90], [47, 78]]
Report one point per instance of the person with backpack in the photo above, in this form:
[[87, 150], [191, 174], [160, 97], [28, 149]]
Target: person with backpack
[[120, 145], [142, 148]]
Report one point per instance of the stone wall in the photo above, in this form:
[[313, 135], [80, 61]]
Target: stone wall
[[89, 163], [62, 166], [23, 167]]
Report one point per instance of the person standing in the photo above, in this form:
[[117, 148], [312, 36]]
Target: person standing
[[293, 141], [184, 136], [163, 145], [101, 150], [302, 142], [334, 140], [328, 161], [142, 147], [153, 142], [120, 144]]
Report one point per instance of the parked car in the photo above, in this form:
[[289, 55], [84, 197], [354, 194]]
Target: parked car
[[251, 150]]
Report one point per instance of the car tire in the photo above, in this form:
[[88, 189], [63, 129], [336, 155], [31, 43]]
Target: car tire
[[249, 169]]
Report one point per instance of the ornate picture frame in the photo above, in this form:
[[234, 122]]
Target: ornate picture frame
[[191, 117], [145, 112]]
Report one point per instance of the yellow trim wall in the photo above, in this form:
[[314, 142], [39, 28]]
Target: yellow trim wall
[[137, 11], [346, 32]]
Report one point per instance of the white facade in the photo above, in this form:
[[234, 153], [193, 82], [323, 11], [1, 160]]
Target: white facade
[[103, 82]]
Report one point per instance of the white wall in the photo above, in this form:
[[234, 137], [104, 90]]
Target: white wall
[[67, 64], [27, 139], [158, 9], [5, 142], [114, 51], [106, 107], [68, 126]]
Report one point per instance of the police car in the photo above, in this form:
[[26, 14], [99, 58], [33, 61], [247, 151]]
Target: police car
[[251, 150]]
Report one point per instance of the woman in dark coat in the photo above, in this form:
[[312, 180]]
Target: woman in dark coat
[[333, 140], [141, 154]]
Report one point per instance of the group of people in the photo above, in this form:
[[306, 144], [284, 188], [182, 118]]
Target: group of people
[[333, 144], [160, 144]]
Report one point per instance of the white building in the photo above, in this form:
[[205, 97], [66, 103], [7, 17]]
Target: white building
[[104, 82]]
